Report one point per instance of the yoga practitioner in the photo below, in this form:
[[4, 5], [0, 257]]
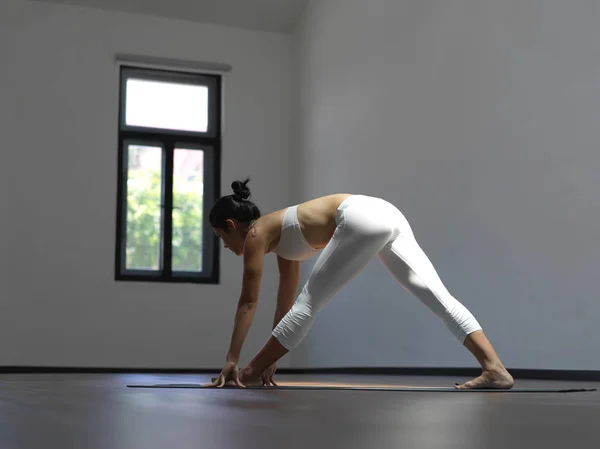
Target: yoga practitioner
[[349, 230]]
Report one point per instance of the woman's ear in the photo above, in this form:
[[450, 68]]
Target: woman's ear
[[230, 225]]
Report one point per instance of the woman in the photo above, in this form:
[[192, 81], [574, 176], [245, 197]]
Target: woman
[[351, 230]]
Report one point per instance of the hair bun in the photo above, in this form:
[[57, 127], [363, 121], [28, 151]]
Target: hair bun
[[240, 190]]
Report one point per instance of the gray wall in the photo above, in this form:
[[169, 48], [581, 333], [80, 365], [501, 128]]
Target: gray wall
[[59, 304], [6, 95], [481, 121]]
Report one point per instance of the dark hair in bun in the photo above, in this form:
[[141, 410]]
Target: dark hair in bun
[[240, 190], [236, 206]]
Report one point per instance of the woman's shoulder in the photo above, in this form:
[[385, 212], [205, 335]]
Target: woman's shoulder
[[267, 229]]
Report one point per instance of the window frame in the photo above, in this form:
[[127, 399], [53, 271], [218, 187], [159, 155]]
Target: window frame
[[170, 140]]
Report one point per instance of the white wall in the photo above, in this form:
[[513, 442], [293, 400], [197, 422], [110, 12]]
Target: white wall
[[481, 121], [60, 305]]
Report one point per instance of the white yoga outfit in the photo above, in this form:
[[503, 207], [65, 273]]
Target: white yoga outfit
[[366, 227]]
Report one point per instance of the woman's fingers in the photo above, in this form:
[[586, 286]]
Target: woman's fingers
[[238, 383], [215, 381]]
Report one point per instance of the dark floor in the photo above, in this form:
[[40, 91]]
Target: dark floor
[[98, 411]]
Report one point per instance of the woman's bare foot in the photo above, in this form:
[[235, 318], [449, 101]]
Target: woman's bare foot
[[494, 374], [494, 378], [249, 379]]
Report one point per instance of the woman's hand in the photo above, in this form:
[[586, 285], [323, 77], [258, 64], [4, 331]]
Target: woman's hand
[[230, 373], [267, 376]]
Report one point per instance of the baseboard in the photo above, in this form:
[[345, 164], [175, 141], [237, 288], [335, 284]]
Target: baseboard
[[518, 373]]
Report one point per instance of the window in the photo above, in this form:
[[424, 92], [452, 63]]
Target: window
[[169, 164]]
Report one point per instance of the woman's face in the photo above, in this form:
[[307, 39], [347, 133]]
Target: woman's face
[[232, 237]]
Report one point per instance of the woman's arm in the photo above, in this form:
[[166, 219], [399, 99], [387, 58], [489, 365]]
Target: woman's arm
[[254, 255], [289, 273], [272, 351]]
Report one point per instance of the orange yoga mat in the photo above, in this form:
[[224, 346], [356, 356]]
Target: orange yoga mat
[[306, 385]]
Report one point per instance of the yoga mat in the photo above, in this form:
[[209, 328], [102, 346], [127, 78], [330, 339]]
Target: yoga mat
[[367, 387]]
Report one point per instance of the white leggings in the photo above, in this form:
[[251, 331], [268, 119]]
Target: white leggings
[[368, 226]]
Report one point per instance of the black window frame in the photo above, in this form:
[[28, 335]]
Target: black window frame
[[169, 140]]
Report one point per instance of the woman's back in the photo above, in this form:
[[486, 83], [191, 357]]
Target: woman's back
[[316, 219]]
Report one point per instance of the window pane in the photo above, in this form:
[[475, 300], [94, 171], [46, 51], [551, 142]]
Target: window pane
[[188, 195], [158, 104], [144, 211]]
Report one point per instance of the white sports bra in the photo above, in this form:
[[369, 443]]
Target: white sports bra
[[292, 244]]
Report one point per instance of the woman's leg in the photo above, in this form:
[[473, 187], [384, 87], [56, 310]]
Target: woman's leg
[[411, 267], [363, 230]]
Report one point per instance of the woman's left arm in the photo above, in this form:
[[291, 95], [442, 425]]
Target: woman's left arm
[[254, 255]]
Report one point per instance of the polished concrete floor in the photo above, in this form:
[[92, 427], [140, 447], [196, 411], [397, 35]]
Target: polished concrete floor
[[98, 411]]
